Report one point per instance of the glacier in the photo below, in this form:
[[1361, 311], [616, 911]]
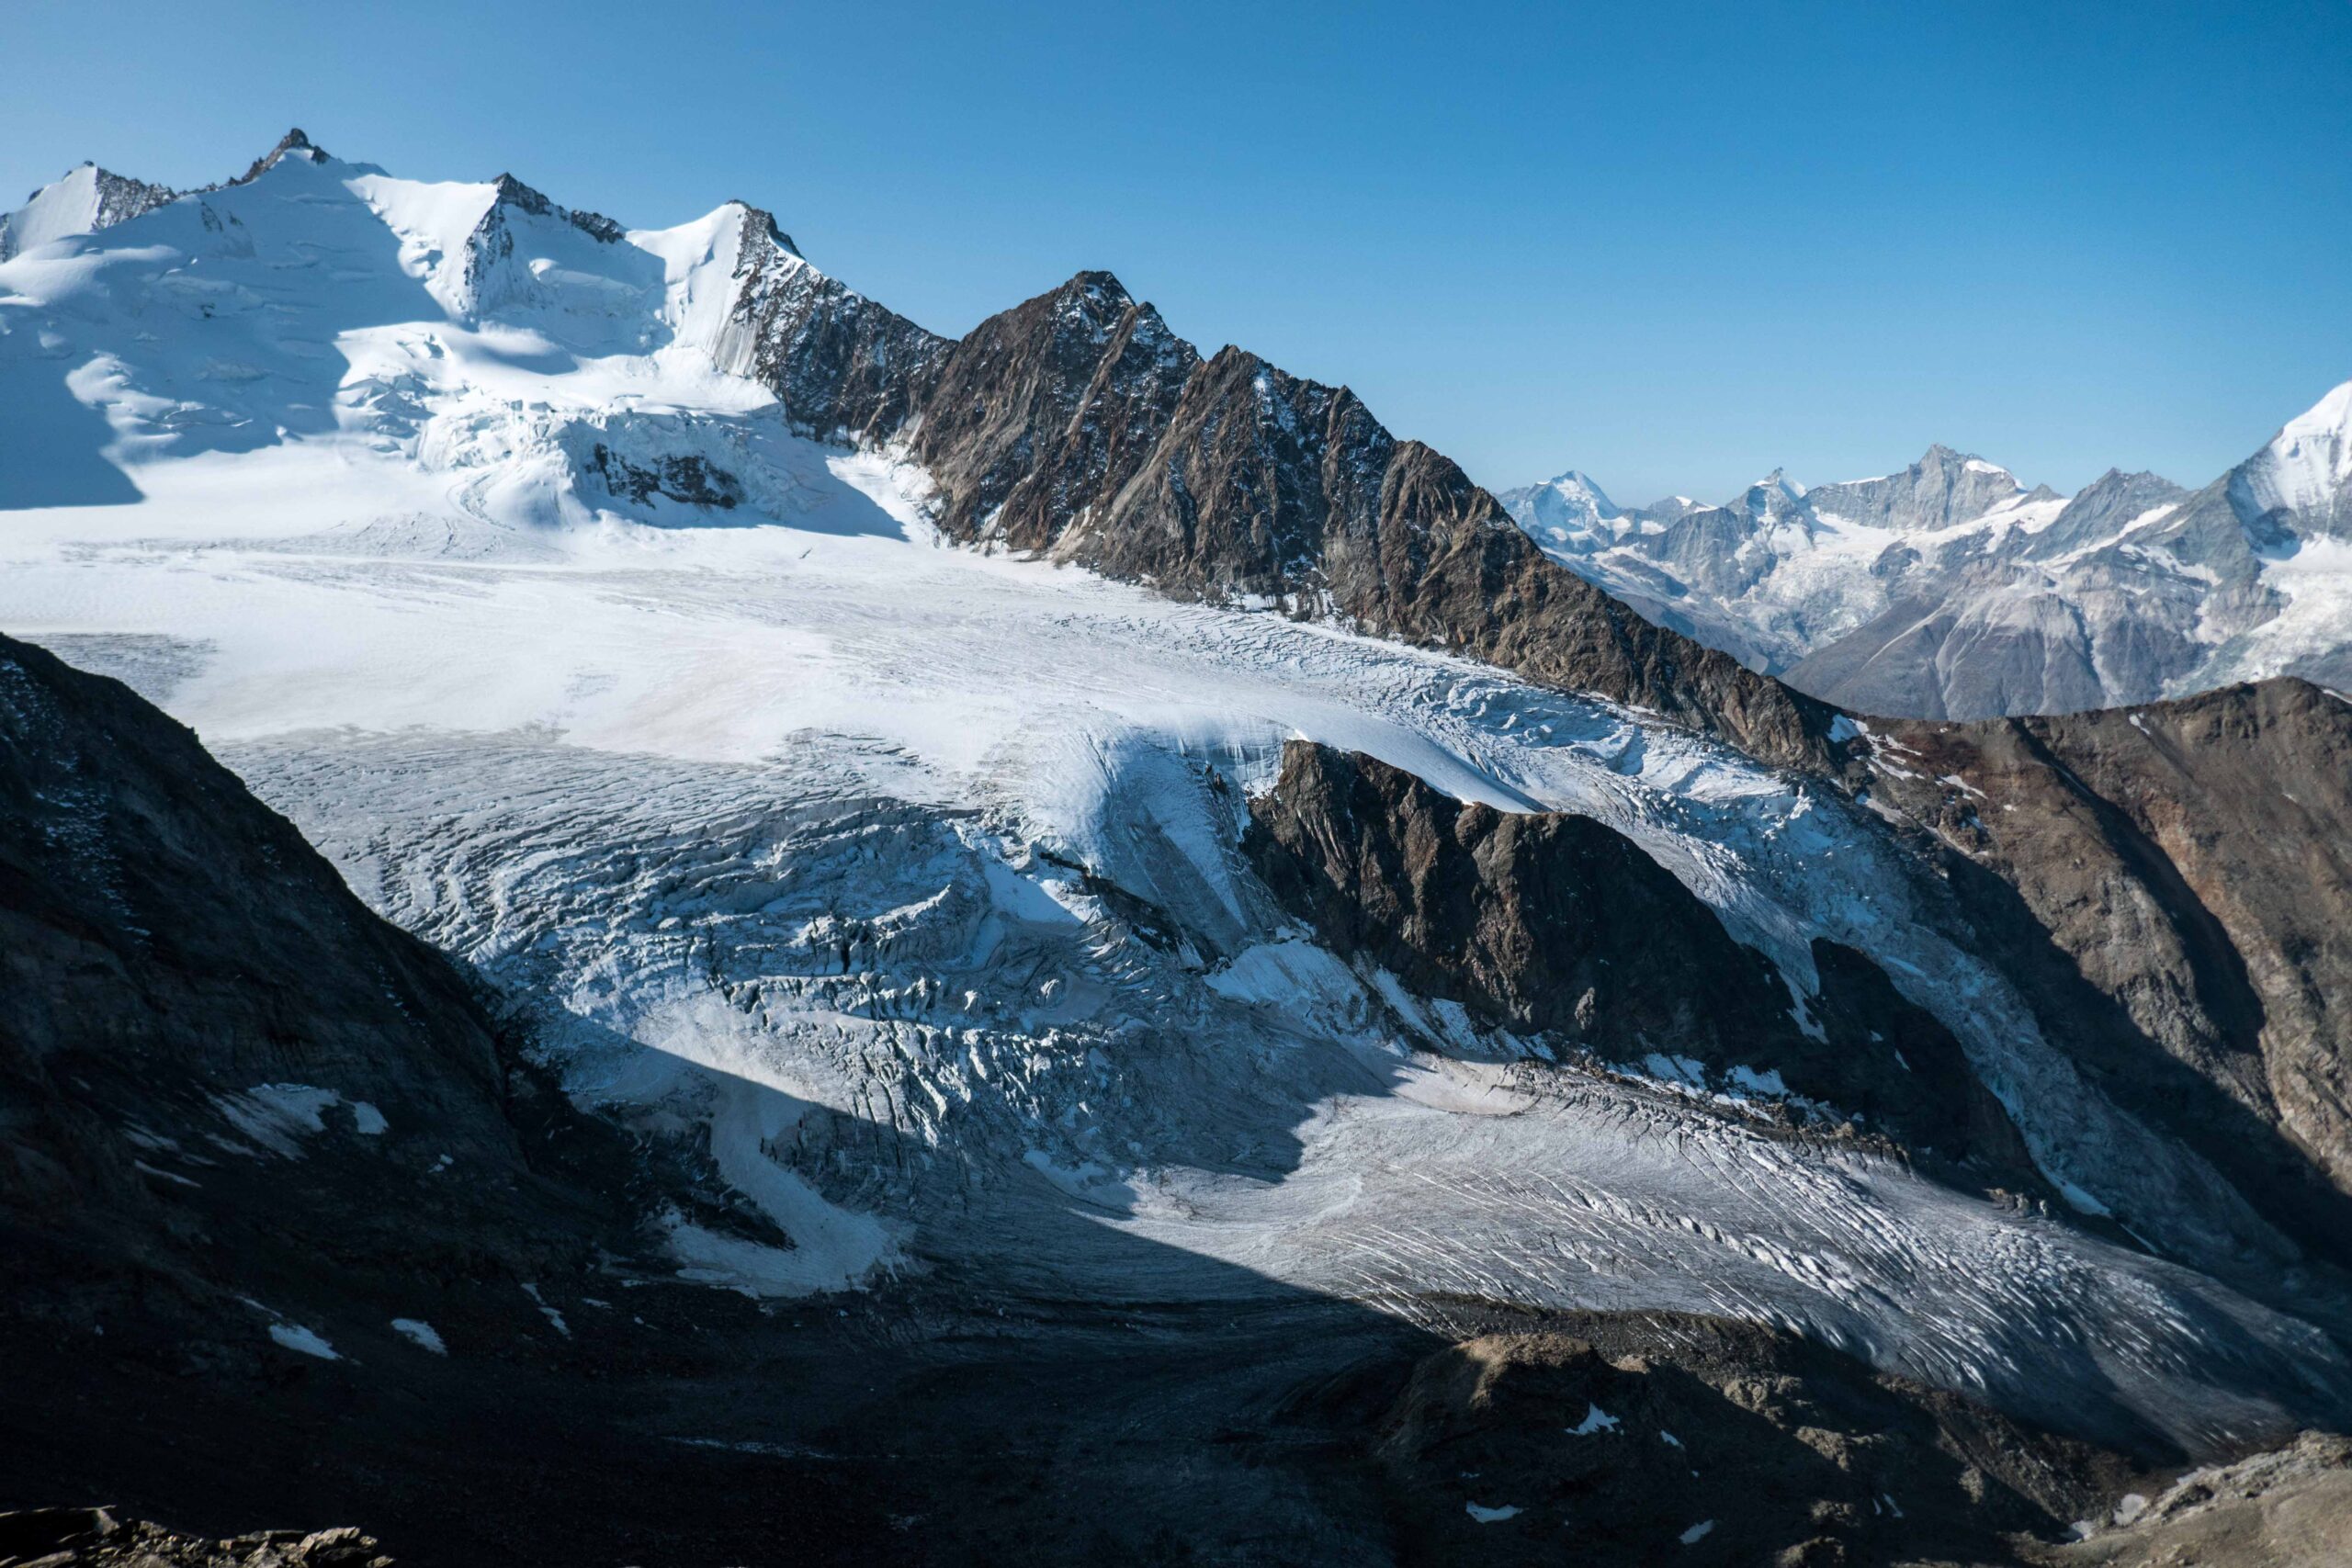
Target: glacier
[[447, 516]]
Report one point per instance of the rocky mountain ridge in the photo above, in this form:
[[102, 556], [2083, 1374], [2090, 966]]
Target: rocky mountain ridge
[[2181, 876], [1557, 928], [1077, 427]]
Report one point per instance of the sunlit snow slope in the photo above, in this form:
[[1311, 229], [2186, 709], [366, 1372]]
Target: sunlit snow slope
[[432, 509]]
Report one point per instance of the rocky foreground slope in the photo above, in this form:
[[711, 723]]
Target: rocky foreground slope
[[175, 1231], [196, 1009]]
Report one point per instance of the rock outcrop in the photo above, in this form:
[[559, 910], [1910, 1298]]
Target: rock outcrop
[[93, 1538], [1552, 925], [86, 200], [1078, 426], [2170, 887], [222, 1076], [2288, 1507], [1655, 1438]]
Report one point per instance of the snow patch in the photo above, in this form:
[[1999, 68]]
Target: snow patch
[[294, 1337], [421, 1333]]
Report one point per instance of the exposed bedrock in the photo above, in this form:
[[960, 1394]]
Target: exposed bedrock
[[1555, 925], [1077, 425], [2170, 887]]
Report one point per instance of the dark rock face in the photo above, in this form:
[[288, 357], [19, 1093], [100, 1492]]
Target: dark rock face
[[1037, 422], [845, 367], [491, 242], [514, 192], [1547, 923], [2171, 888], [1078, 426], [689, 479], [218, 1064], [293, 142], [120, 200], [116, 198], [1656, 1438]]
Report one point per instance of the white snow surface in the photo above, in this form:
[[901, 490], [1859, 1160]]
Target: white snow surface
[[420, 1333], [294, 1337], [62, 209], [2308, 465], [798, 827]]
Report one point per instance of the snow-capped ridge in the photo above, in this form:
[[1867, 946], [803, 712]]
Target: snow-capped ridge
[[292, 144], [81, 201], [758, 221], [1568, 509], [2306, 469], [595, 225], [1781, 567], [1776, 481]]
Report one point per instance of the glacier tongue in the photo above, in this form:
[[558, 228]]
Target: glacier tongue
[[920, 1040]]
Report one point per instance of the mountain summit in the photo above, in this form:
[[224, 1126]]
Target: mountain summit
[[86, 200]]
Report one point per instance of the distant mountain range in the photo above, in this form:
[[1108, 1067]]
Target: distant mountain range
[[1949, 589]]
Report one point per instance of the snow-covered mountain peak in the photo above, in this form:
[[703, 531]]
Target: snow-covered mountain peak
[[2306, 470], [1774, 499], [293, 144], [81, 201], [1566, 511], [756, 220], [1943, 490], [547, 360], [1583, 487]]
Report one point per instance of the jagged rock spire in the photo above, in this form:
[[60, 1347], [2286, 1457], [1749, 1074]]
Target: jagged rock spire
[[293, 141]]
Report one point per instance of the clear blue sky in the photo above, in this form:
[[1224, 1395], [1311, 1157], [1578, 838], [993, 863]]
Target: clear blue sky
[[1672, 245]]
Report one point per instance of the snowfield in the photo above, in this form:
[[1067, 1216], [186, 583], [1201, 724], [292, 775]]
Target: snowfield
[[789, 824]]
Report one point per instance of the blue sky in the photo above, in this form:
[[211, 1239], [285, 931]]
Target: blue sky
[[1672, 245]]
